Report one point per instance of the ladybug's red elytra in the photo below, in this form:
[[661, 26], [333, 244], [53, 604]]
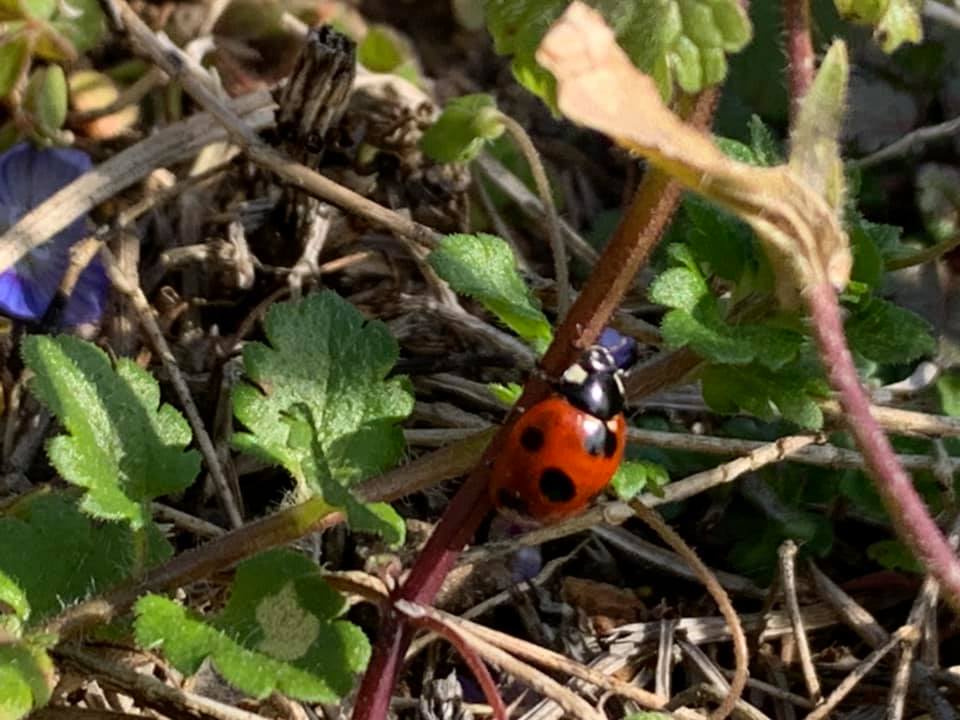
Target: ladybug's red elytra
[[562, 452]]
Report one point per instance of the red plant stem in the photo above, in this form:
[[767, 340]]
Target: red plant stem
[[633, 241], [801, 61], [906, 509], [476, 665]]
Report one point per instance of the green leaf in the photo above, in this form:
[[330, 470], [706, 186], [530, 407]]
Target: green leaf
[[948, 388], [633, 477], [719, 239], [384, 50], [27, 677], [466, 124], [483, 267], [63, 556], [895, 21], [868, 265], [680, 42], [679, 288], [46, 99], [279, 632], [506, 393], [373, 517], [14, 606], [762, 392], [894, 555], [318, 403], [13, 57], [124, 447], [888, 334], [82, 23]]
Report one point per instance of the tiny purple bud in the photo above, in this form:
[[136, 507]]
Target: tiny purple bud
[[28, 176], [622, 347]]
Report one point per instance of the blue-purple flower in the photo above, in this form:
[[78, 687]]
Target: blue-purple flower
[[28, 176]]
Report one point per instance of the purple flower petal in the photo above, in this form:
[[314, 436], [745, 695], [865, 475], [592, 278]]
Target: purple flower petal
[[622, 347], [89, 297], [28, 176]]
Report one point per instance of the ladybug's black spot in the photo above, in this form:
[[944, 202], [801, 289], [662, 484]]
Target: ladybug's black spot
[[557, 486], [511, 501], [610, 444], [532, 439]]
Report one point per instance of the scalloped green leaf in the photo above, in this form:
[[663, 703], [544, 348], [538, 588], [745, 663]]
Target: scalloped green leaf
[[762, 392], [888, 334], [464, 127], [483, 267], [123, 446], [677, 42], [64, 556], [279, 632], [318, 402]]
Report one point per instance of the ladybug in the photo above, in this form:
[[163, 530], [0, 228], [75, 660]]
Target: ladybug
[[563, 451]]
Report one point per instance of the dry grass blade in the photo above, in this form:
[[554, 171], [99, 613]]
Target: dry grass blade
[[788, 577], [170, 145], [571, 703]]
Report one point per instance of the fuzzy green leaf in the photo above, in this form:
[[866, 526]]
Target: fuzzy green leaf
[[466, 124], [124, 447], [318, 403], [14, 606], [27, 677], [279, 632], [483, 267], [761, 392], [886, 333], [697, 321], [63, 556], [635, 476], [677, 42]]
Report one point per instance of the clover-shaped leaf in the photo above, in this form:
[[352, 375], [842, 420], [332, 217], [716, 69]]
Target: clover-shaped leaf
[[124, 447], [27, 677], [278, 632], [318, 403]]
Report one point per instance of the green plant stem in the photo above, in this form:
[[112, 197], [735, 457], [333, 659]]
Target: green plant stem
[[906, 509], [926, 255], [560, 265]]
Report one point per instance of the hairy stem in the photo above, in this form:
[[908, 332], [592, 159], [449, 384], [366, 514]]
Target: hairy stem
[[801, 61], [906, 509]]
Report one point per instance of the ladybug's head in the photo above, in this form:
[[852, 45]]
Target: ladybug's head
[[593, 384]]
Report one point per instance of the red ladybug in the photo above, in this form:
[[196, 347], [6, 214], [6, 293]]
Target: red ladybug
[[563, 451]]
